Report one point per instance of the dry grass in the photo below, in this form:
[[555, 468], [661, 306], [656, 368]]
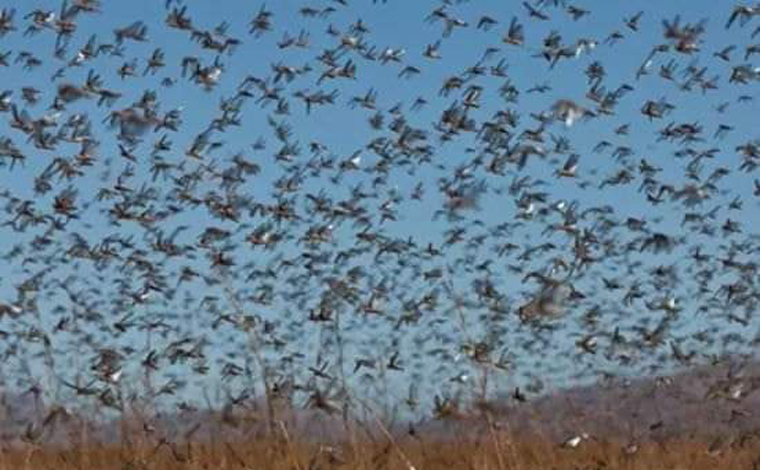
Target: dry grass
[[484, 448]]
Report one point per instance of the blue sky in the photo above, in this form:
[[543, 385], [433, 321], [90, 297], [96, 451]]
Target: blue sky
[[549, 355]]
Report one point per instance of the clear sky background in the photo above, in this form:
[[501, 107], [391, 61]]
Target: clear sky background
[[431, 350]]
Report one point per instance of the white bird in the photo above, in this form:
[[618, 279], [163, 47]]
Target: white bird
[[567, 111], [575, 441]]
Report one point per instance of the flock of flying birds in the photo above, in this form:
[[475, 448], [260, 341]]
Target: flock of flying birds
[[289, 207]]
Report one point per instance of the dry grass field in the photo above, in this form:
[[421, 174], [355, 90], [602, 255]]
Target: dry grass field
[[458, 442], [639, 424], [492, 450]]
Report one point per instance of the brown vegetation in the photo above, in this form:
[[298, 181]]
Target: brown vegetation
[[682, 421], [490, 449]]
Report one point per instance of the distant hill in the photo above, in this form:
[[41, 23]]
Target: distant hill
[[702, 402]]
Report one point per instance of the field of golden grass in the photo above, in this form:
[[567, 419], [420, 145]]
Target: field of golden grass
[[489, 447]]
